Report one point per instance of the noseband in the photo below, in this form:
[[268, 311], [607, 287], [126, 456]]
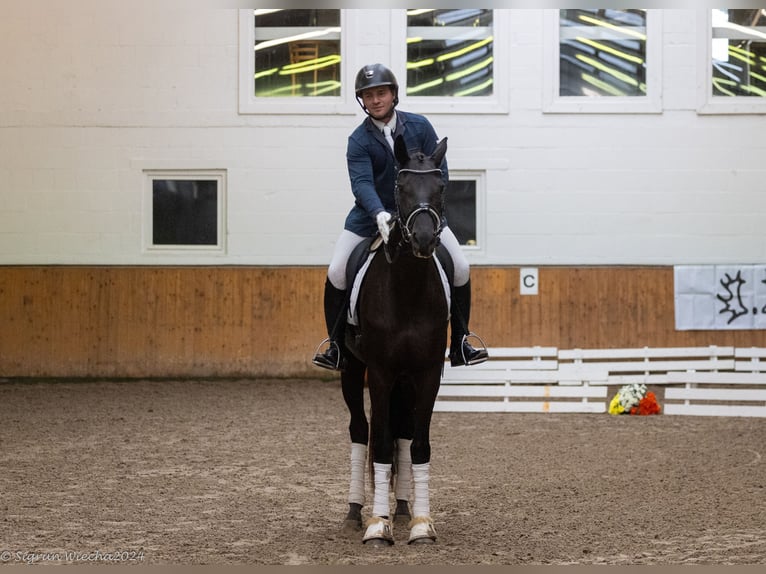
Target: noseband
[[406, 222]]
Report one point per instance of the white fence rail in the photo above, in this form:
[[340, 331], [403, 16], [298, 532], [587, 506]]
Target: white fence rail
[[705, 381]]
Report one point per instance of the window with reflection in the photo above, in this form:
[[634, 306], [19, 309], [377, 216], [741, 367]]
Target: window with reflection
[[739, 52], [602, 52], [297, 53], [449, 52]]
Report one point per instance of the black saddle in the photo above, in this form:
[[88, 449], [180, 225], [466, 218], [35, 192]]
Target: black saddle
[[362, 251]]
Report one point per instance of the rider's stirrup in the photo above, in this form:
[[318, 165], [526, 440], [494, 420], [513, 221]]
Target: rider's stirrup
[[329, 359], [481, 353]]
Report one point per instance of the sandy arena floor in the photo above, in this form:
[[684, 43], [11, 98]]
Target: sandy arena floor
[[255, 472]]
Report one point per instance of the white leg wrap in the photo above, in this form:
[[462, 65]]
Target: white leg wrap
[[380, 506], [358, 462], [421, 507], [403, 489]]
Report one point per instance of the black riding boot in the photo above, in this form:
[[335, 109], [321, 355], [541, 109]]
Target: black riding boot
[[334, 313], [461, 352]]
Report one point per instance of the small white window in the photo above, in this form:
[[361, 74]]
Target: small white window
[[733, 61], [603, 60], [451, 60], [184, 211], [464, 208]]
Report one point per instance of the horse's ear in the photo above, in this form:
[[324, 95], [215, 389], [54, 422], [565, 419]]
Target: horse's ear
[[400, 150], [439, 152]]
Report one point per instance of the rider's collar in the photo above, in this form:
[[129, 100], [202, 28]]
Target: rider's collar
[[391, 123]]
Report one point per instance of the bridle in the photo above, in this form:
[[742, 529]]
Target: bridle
[[405, 223]]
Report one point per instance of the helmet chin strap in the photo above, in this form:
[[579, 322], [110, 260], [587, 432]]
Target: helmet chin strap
[[366, 111]]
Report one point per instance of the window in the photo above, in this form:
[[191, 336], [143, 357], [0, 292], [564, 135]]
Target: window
[[603, 60], [462, 206], [449, 52], [297, 53], [451, 60], [291, 61], [184, 211], [735, 61]]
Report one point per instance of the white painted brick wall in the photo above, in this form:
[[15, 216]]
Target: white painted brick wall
[[91, 96]]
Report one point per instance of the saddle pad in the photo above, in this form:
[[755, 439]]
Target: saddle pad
[[353, 317]]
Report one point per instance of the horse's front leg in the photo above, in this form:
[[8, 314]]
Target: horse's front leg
[[379, 529], [422, 526]]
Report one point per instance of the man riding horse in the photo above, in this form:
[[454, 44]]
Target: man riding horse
[[372, 169]]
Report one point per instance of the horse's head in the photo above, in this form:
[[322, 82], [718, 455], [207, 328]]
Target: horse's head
[[420, 197]]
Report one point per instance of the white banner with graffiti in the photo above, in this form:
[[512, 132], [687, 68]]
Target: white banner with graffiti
[[720, 297]]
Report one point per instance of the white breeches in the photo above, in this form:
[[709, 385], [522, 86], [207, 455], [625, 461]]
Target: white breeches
[[347, 240]]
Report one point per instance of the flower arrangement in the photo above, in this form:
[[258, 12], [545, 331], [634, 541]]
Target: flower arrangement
[[635, 400]]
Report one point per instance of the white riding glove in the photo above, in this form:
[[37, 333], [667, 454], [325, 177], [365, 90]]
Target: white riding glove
[[383, 220]]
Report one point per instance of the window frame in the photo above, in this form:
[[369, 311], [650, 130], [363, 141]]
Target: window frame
[[152, 174], [497, 103], [649, 104], [707, 103], [250, 104], [480, 178]]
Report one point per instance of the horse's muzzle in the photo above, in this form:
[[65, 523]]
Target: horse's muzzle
[[423, 233], [423, 246]]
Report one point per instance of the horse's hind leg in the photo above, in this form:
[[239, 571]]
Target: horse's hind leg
[[402, 428], [353, 522], [403, 482], [352, 384]]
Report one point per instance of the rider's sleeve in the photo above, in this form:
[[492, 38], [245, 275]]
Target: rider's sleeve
[[362, 179]]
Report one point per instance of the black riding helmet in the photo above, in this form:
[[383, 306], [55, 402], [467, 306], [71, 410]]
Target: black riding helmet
[[374, 75]]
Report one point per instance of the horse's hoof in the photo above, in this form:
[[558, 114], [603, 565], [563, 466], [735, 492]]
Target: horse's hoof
[[378, 532], [422, 541], [377, 543], [350, 528], [422, 531]]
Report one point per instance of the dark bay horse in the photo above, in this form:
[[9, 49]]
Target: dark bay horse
[[400, 342]]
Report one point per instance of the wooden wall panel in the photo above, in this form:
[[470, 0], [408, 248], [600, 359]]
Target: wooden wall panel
[[588, 307], [266, 321]]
